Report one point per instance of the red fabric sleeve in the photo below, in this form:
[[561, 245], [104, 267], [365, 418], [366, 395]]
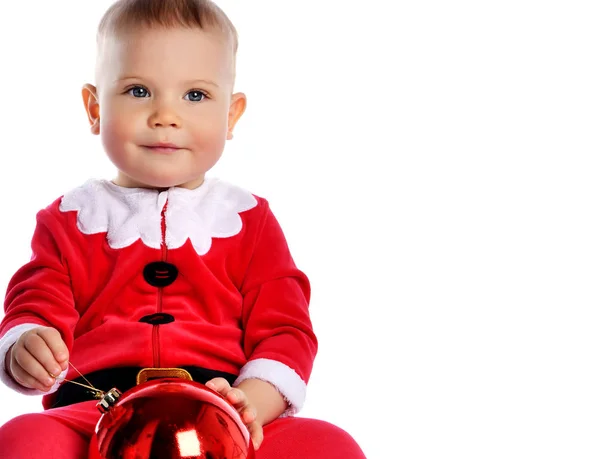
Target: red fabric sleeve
[[276, 293], [40, 292]]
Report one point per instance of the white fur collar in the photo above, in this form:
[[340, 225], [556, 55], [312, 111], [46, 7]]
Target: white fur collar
[[128, 214]]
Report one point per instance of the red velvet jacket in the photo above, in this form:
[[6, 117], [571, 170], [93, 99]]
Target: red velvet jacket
[[212, 264]]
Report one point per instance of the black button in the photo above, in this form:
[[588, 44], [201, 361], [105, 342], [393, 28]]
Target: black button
[[160, 273], [159, 318]]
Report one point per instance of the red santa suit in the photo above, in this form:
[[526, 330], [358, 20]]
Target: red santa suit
[[135, 278]]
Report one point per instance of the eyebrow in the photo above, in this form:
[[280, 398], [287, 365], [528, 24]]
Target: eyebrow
[[187, 83], [212, 83]]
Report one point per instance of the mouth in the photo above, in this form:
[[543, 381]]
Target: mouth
[[162, 147]]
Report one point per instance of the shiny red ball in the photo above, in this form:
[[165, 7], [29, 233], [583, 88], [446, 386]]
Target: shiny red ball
[[171, 419]]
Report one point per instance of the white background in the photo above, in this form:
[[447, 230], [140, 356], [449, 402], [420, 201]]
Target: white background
[[435, 167]]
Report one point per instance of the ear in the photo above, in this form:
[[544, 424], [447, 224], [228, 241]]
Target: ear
[[92, 107], [236, 110]]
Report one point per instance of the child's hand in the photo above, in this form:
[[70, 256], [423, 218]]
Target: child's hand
[[240, 401], [37, 358]]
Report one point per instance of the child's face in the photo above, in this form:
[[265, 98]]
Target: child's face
[[164, 87]]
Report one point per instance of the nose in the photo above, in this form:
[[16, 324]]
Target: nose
[[164, 116]]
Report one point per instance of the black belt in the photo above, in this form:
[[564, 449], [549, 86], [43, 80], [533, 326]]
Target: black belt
[[123, 378]]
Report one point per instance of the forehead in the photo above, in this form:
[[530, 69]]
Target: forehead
[[161, 52]]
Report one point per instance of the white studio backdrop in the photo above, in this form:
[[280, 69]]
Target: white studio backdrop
[[435, 168]]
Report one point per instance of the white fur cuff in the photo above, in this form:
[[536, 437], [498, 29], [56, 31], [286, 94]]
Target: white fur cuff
[[284, 378]]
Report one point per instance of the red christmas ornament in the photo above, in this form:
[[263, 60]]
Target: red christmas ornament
[[169, 418]]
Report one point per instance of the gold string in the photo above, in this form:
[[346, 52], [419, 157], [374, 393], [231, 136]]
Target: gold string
[[83, 385], [98, 392], [85, 379]]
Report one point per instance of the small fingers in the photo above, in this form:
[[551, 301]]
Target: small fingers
[[237, 398], [57, 346], [248, 414], [256, 434], [219, 385], [233, 395], [28, 372], [39, 350]]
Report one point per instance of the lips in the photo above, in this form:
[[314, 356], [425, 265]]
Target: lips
[[163, 147]]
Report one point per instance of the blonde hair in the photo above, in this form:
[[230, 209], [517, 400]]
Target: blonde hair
[[129, 15]]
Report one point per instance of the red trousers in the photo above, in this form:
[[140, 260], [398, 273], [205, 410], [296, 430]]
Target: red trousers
[[64, 433]]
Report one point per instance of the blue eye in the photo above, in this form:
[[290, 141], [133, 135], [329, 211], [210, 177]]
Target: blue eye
[[139, 91], [195, 96]]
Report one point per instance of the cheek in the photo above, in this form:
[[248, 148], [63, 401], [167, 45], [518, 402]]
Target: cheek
[[113, 136], [209, 130], [116, 126], [210, 140]]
